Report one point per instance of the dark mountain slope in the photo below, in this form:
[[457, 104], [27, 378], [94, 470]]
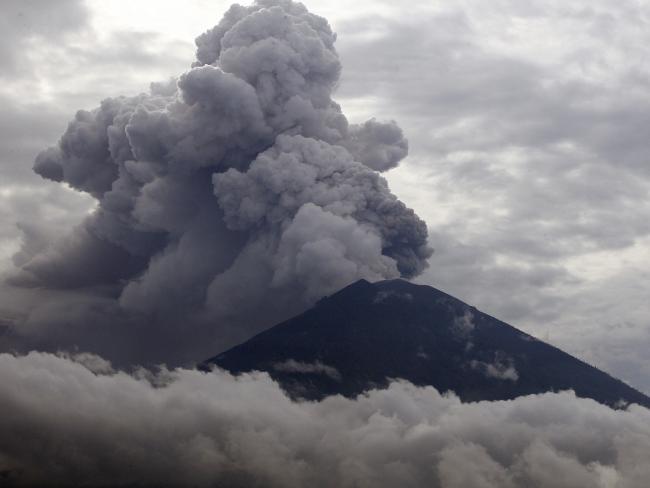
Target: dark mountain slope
[[367, 333]]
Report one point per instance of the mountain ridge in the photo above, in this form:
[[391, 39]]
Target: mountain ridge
[[366, 334]]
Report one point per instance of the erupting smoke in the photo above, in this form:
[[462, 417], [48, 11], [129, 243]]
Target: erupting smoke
[[228, 199]]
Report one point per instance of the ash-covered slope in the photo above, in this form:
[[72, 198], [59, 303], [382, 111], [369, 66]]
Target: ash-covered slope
[[368, 333]]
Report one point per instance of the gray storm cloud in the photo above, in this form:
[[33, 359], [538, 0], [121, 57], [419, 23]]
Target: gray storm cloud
[[188, 428], [229, 198]]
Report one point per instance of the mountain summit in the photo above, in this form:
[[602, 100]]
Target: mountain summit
[[369, 333]]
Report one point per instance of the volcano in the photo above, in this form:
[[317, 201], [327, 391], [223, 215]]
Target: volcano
[[368, 334]]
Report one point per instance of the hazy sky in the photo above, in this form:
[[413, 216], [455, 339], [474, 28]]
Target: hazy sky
[[526, 124]]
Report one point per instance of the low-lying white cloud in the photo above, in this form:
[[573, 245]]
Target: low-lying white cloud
[[499, 369], [62, 423], [316, 367]]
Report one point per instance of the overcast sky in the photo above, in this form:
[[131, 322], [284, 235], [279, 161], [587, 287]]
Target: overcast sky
[[527, 126]]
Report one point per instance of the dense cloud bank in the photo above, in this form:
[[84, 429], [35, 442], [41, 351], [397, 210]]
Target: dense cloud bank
[[227, 199], [75, 420]]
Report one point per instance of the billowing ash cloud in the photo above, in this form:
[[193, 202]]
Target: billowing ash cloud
[[229, 198], [187, 428]]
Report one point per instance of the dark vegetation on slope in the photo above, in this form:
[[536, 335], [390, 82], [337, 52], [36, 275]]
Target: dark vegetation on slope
[[367, 333]]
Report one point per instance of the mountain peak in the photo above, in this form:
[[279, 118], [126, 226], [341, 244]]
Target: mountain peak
[[366, 334]]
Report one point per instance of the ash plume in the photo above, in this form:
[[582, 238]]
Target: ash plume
[[227, 199]]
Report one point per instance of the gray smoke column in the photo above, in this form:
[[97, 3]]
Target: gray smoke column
[[231, 197]]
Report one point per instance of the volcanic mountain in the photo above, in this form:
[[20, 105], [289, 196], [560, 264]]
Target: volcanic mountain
[[370, 333]]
